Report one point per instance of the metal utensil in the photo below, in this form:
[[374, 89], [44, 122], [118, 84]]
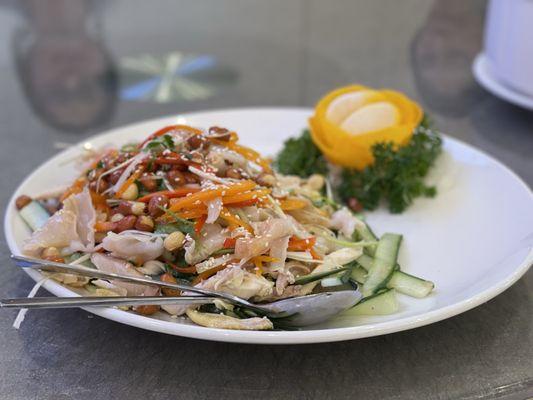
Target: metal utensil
[[109, 301], [296, 311]]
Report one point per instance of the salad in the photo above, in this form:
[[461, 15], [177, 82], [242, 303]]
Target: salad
[[195, 206]]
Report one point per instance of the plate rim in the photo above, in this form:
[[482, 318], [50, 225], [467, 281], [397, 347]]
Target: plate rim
[[271, 337]]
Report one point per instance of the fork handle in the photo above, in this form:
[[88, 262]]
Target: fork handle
[[73, 302]]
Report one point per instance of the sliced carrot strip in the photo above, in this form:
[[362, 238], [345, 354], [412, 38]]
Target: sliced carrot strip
[[292, 203], [178, 192], [210, 194], [206, 274], [184, 270], [250, 195], [234, 221], [75, 188], [167, 129], [258, 262], [192, 214], [229, 243], [258, 267], [296, 244], [246, 203], [200, 222], [99, 201], [250, 155], [129, 182], [314, 254]]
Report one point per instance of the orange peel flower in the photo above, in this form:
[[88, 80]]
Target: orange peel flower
[[349, 121]]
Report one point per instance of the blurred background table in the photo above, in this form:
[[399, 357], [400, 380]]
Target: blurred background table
[[69, 69]]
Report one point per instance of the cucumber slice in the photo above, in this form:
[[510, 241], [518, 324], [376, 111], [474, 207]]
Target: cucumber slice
[[34, 214], [384, 263], [332, 281], [410, 285], [382, 303], [302, 280], [401, 281], [338, 280], [364, 231], [365, 261], [359, 275]]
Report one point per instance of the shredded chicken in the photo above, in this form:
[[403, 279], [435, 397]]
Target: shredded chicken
[[266, 232], [235, 280], [210, 239], [71, 228], [345, 222], [118, 266], [133, 246], [221, 321]]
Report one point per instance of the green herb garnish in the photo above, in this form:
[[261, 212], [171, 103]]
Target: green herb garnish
[[396, 175], [179, 224], [301, 157], [160, 144]]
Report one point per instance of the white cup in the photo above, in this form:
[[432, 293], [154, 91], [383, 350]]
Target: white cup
[[509, 43]]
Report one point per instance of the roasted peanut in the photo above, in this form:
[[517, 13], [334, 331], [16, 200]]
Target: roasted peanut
[[196, 157], [219, 133], [176, 178], [169, 278], [99, 186], [233, 173], [195, 141], [148, 182], [126, 223], [22, 201], [117, 217], [131, 207], [191, 178], [174, 241], [147, 310], [154, 205], [144, 223], [266, 180], [115, 176], [131, 192]]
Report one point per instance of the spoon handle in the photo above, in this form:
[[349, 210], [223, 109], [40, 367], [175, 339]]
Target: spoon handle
[[72, 302], [50, 266]]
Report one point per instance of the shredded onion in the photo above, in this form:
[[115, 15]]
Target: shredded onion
[[128, 171], [211, 177], [214, 207]]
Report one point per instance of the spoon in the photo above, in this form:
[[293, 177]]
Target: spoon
[[295, 312]]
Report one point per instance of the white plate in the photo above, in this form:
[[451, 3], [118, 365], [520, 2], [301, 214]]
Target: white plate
[[471, 240], [488, 79]]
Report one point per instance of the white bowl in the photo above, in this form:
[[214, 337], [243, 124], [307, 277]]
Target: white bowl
[[474, 239]]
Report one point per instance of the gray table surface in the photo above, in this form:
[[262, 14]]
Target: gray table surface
[[55, 91]]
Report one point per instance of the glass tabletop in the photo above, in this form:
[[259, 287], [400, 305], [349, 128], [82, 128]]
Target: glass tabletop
[[70, 69]]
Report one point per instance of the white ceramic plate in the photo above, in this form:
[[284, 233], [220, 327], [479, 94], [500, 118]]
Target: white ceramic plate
[[488, 79], [473, 240]]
